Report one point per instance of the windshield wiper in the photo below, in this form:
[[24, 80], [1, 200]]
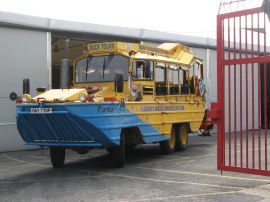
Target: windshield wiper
[[88, 62], [106, 62]]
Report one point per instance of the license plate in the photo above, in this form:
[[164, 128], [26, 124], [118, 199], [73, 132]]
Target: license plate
[[46, 110]]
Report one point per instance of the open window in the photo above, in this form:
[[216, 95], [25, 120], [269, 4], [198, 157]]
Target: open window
[[142, 69], [192, 79], [173, 79], [184, 81], [197, 76], [160, 79]]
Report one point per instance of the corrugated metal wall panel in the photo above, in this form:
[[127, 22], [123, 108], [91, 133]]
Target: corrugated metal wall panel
[[23, 54]]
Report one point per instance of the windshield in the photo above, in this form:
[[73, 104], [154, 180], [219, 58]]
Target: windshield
[[101, 68]]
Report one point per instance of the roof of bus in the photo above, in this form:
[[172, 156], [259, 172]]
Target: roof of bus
[[166, 52]]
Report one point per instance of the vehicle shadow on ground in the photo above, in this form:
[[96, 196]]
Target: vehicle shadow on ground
[[98, 161]]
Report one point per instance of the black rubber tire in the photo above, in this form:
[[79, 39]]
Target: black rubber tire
[[82, 151], [119, 152], [130, 148], [57, 155], [168, 146], [110, 150], [181, 137]]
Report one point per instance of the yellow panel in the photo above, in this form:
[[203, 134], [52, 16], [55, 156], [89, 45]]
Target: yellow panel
[[61, 94], [185, 58], [161, 116], [168, 52], [169, 46], [102, 47]]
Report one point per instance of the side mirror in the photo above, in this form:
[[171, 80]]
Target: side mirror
[[13, 96], [118, 83]]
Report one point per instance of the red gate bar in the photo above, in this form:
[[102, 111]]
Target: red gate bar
[[241, 108]]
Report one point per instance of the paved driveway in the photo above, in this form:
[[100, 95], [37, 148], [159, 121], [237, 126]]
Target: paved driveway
[[190, 175]]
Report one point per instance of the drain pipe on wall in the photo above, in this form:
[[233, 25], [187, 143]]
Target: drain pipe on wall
[[65, 69]]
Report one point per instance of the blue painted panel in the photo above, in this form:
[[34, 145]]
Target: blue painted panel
[[90, 124]]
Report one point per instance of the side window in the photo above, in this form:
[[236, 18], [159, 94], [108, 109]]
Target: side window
[[149, 70], [138, 69], [184, 82], [173, 78], [197, 77], [191, 79], [170, 75], [160, 79], [190, 73], [181, 76], [142, 70], [173, 74], [197, 71], [160, 72]]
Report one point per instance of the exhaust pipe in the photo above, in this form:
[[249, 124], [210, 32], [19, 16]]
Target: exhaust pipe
[[65, 74], [26, 86]]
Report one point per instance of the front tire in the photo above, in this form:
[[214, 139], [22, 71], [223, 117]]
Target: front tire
[[130, 148], [118, 152], [57, 155], [182, 138], [110, 150], [168, 146]]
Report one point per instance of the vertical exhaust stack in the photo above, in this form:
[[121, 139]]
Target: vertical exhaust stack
[[65, 69], [65, 74], [26, 86]]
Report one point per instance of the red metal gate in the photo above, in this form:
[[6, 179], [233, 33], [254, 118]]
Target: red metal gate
[[242, 109]]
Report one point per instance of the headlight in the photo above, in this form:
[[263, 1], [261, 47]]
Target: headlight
[[26, 98], [83, 97]]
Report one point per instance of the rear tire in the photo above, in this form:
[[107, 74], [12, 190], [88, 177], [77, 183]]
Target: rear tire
[[57, 155], [182, 138], [168, 146], [119, 152]]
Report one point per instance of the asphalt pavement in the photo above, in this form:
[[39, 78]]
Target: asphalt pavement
[[190, 175]]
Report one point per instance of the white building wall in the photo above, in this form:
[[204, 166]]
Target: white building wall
[[23, 54], [232, 99]]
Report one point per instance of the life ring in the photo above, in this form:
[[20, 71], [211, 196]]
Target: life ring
[[201, 87], [92, 89]]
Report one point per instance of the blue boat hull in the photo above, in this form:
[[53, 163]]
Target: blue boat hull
[[81, 125]]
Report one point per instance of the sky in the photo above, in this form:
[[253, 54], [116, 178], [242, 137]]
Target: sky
[[189, 17]]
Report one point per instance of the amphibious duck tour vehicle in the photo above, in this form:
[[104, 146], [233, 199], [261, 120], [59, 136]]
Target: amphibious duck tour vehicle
[[120, 95]]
